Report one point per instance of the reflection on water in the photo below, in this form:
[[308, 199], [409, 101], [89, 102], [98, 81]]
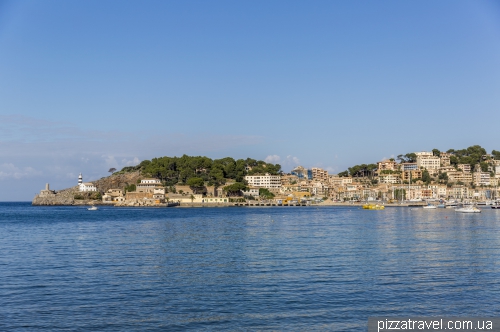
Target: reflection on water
[[242, 268]]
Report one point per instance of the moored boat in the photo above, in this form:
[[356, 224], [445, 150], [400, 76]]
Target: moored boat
[[373, 207], [468, 209], [430, 206]]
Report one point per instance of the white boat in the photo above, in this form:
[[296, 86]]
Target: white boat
[[430, 206], [92, 208], [468, 209]]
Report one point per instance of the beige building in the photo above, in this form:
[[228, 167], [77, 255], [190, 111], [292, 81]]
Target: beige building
[[458, 192], [458, 176], [386, 165], [446, 169], [430, 163], [445, 159], [389, 178], [416, 174], [289, 179], [464, 167], [481, 178], [337, 181], [424, 154], [319, 174]]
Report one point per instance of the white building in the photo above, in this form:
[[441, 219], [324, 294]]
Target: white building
[[264, 181], [85, 186], [482, 178], [254, 192], [430, 163], [424, 154], [149, 185]]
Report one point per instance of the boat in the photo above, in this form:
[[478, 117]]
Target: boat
[[373, 207], [495, 205], [430, 206], [92, 208], [468, 209]]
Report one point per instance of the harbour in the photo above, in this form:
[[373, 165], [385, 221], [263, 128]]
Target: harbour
[[260, 268]]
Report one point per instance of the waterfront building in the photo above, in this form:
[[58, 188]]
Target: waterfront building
[[458, 192], [252, 191], [264, 181], [319, 189], [148, 185]]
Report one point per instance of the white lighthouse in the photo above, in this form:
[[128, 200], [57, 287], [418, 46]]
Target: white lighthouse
[[87, 186]]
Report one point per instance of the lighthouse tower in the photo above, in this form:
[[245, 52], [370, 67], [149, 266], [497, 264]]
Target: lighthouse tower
[[80, 179]]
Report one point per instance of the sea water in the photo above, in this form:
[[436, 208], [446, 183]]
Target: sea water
[[226, 269]]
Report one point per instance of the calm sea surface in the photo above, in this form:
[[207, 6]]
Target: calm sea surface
[[227, 269]]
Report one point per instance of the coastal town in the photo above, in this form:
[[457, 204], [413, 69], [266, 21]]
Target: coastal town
[[416, 177]]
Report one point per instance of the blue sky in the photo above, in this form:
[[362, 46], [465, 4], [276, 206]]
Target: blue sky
[[89, 85]]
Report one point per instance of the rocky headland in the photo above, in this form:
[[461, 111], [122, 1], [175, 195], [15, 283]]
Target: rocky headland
[[72, 196]]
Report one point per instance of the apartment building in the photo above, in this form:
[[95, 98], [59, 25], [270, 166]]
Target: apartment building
[[264, 181], [148, 185], [446, 169], [458, 191], [408, 166], [481, 178], [415, 174], [386, 165], [464, 167], [458, 176], [389, 178], [424, 154], [289, 179], [319, 174], [319, 189], [430, 163], [445, 159], [337, 181]]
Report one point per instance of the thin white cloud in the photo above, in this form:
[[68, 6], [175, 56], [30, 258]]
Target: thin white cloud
[[10, 171], [131, 162], [273, 159], [293, 160]]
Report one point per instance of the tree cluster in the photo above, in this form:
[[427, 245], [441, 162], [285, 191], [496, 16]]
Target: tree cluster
[[198, 171], [472, 155], [362, 170]]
